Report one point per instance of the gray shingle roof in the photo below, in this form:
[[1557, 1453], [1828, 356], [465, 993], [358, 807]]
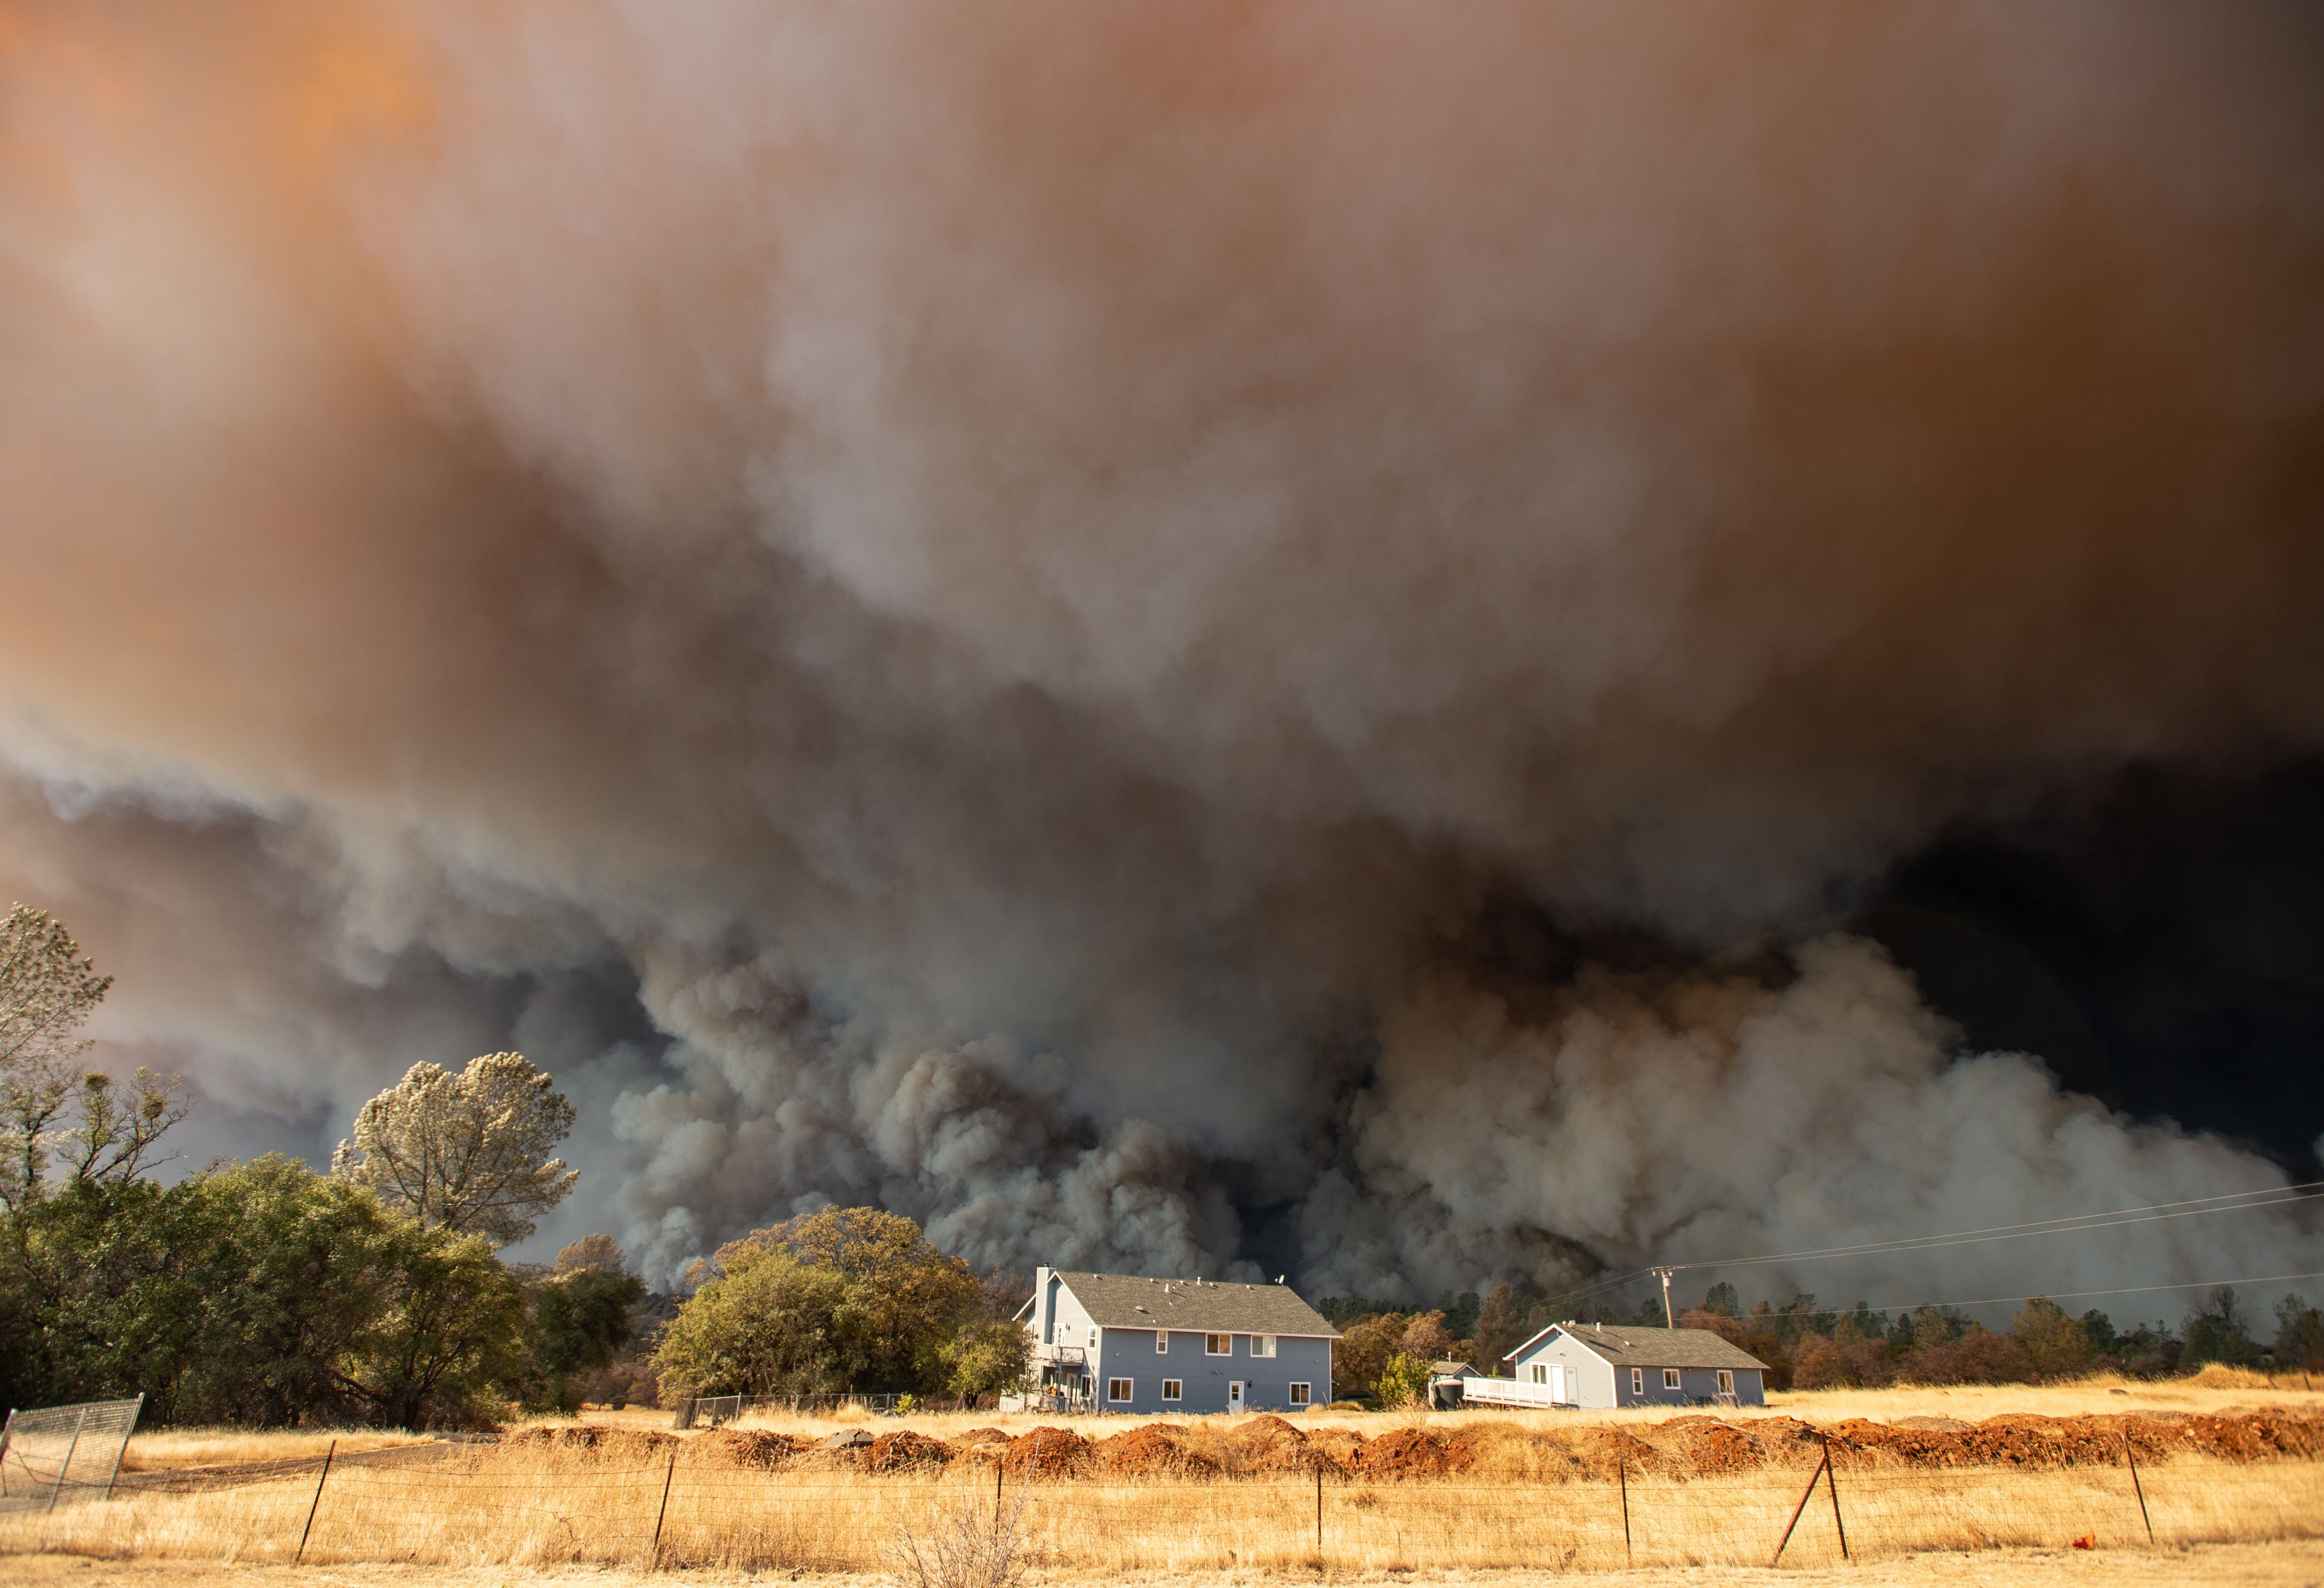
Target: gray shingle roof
[[1125, 1301], [1656, 1348]]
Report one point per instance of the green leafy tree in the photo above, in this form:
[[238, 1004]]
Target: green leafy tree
[[468, 1153], [903, 1299], [449, 1336], [580, 1318], [768, 1324], [2056, 1342], [1404, 1381], [293, 1272], [987, 1356]]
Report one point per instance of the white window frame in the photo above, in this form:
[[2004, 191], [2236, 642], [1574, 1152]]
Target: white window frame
[[1211, 1345], [1537, 1372], [1727, 1381], [1670, 1379], [1173, 1389], [1262, 1345], [1093, 1336], [1161, 1342], [1638, 1380], [1302, 1394], [1128, 1387]]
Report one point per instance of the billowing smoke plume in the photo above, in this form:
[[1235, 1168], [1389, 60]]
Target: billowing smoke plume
[[986, 610]]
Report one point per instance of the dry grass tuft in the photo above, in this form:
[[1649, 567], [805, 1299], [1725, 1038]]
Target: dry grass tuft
[[960, 1543]]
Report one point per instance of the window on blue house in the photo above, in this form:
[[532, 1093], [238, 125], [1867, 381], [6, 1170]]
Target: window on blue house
[[1119, 1389]]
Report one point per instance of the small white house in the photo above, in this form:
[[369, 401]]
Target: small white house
[[1598, 1365]]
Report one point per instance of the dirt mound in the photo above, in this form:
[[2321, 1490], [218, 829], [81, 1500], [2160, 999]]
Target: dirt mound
[[2264, 1435], [1048, 1452], [2046, 1442], [1157, 1450], [904, 1450], [592, 1440], [755, 1449], [1404, 1453], [981, 1436], [1707, 1446], [1267, 1444]]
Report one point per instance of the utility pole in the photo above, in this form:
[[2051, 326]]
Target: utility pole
[[1664, 1276]]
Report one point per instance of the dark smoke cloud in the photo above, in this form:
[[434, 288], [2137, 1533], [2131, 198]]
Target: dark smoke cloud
[[981, 612]]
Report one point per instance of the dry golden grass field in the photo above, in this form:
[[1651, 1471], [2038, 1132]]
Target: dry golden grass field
[[1929, 1489]]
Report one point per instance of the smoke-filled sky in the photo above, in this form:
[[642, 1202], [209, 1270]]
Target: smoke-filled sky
[[1416, 648]]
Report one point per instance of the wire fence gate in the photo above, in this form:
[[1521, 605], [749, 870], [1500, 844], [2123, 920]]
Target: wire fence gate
[[49, 1449], [452, 1505]]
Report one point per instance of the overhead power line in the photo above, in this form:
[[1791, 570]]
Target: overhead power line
[[2149, 1213], [1832, 1312], [2273, 1196]]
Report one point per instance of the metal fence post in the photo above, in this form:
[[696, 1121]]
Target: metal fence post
[[115, 1475], [7, 1431], [666, 1478], [1806, 1494], [78, 1423], [1832, 1485], [2137, 1488], [315, 1504], [1319, 1513], [1622, 1476]]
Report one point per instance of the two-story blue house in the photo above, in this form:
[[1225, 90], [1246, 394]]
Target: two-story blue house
[[1120, 1343]]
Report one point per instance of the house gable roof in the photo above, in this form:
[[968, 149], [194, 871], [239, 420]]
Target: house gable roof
[[1126, 1301], [1630, 1347]]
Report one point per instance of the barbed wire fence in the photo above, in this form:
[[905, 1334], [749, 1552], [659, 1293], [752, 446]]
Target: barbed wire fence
[[449, 1504]]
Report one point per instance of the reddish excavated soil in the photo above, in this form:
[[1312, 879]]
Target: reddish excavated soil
[[1048, 1452], [1685, 1447], [904, 1452], [1692, 1445], [1157, 1450]]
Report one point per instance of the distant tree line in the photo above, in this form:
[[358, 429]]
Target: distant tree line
[[1809, 1347]]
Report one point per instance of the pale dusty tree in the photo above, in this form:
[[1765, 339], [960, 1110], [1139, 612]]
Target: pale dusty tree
[[47, 992], [601, 1252], [114, 1138], [467, 1152]]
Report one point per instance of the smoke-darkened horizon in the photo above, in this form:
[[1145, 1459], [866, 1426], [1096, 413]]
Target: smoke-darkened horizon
[[1187, 639]]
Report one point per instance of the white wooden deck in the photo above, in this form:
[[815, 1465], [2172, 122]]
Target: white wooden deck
[[1507, 1392]]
